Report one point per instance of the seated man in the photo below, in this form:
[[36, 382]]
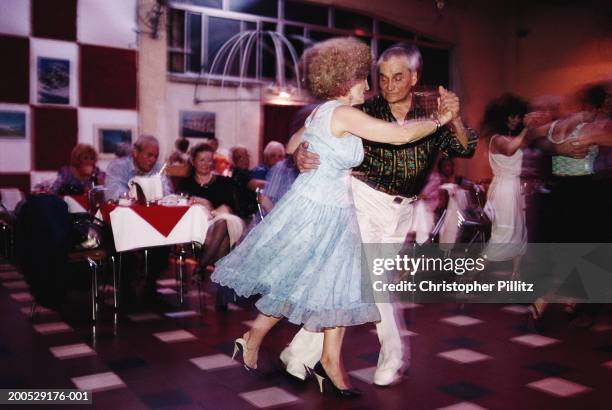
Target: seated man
[[142, 161], [246, 199], [273, 153]]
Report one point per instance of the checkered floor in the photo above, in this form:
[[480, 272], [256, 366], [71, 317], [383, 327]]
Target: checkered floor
[[463, 357]]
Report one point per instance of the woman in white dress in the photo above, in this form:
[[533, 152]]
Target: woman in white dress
[[505, 203]]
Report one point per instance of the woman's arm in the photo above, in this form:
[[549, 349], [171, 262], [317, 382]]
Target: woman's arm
[[294, 141], [508, 145], [596, 133], [347, 119]]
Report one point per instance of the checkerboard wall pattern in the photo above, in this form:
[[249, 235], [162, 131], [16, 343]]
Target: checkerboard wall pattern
[[97, 41]]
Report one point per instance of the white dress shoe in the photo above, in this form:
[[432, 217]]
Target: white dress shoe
[[293, 367], [388, 375]]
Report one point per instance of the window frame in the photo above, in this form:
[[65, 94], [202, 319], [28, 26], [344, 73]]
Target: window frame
[[281, 22]]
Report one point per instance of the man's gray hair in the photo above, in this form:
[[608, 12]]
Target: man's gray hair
[[273, 145], [409, 51], [143, 140]]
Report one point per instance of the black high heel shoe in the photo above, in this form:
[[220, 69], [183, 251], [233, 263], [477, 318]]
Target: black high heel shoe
[[240, 345], [321, 375]]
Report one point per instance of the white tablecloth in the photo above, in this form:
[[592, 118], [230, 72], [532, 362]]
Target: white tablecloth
[[74, 207], [10, 197], [131, 231]]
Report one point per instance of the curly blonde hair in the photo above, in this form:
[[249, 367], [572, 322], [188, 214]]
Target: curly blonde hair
[[333, 66]]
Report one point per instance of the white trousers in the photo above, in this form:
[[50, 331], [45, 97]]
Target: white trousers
[[382, 220]]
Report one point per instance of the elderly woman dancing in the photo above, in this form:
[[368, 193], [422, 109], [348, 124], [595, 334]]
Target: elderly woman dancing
[[305, 260]]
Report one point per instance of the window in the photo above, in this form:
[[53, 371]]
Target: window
[[267, 8], [198, 32], [357, 23], [305, 13], [216, 4], [184, 53], [394, 31], [220, 30], [176, 41]]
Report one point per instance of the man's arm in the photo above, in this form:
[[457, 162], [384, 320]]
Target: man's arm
[[459, 140], [166, 185], [116, 181]]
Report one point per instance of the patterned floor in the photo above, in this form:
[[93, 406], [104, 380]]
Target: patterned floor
[[470, 357]]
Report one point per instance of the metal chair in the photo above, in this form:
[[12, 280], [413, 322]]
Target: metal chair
[[95, 260]]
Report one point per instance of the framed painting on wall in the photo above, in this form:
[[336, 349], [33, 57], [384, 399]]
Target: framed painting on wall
[[113, 140], [197, 124], [53, 81], [12, 124]]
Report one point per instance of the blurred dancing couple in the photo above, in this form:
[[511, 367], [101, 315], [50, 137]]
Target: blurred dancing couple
[[305, 259]]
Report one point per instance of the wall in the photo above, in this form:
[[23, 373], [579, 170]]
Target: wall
[[577, 40], [98, 39]]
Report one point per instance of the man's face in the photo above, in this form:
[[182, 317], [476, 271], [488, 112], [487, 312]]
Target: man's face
[[274, 156], [395, 80], [242, 158], [145, 158]]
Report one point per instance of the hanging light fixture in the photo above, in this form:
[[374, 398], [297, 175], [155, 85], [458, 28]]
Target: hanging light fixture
[[241, 47]]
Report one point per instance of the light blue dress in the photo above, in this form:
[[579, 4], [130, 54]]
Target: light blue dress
[[305, 257]]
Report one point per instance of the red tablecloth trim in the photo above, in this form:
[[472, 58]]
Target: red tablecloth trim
[[162, 218], [105, 210]]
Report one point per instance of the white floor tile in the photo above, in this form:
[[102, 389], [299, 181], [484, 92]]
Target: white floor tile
[[464, 405], [144, 317], [167, 282], [534, 340], [463, 356], [601, 327], [215, 361], [51, 328], [516, 309], [403, 332], [22, 297], [175, 336], [26, 310], [365, 375], [410, 305], [72, 351], [182, 313], [12, 275], [272, 396], [461, 320], [166, 291], [559, 387], [98, 382], [15, 284]]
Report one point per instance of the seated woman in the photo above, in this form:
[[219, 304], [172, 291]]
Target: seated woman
[[217, 194], [82, 173]]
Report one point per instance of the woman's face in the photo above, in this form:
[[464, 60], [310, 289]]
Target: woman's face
[[88, 165], [514, 121], [357, 93], [203, 162]]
